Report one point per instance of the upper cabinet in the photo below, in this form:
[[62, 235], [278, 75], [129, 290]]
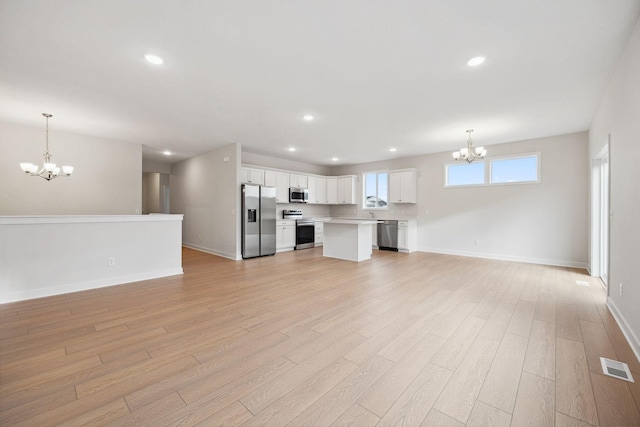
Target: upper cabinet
[[280, 180], [251, 176], [332, 191], [347, 190], [317, 190], [403, 186], [323, 190], [341, 190], [298, 181]]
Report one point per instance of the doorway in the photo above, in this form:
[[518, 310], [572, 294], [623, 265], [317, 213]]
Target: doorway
[[166, 191], [600, 215]]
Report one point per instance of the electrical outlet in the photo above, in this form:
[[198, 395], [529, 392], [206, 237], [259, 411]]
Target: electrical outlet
[[476, 242], [137, 211], [112, 261], [620, 289], [200, 237]]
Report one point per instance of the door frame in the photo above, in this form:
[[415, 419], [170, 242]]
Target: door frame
[[601, 221]]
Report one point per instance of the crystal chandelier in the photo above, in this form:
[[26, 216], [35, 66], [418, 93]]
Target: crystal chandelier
[[49, 170], [470, 154]]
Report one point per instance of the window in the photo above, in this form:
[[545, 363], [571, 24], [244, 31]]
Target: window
[[496, 171], [376, 190], [515, 169], [465, 174]]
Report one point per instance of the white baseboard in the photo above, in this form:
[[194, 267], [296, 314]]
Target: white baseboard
[[86, 285], [222, 254], [543, 261], [631, 337]]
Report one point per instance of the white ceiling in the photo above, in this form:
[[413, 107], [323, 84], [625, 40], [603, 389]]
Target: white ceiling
[[375, 74]]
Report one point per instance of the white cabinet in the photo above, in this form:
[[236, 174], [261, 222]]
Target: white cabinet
[[319, 230], [298, 181], [317, 190], [402, 186], [374, 236], [251, 176], [332, 191], [403, 241], [346, 190], [341, 190], [280, 180], [407, 236], [285, 235]]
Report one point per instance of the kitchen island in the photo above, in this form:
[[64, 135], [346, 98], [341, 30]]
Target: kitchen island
[[348, 239]]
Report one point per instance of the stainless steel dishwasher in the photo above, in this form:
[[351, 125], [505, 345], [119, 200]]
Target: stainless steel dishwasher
[[388, 235]]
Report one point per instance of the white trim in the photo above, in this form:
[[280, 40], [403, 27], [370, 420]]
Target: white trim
[[596, 219], [86, 285], [222, 254], [502, 257], [76, 219], [632, 339]]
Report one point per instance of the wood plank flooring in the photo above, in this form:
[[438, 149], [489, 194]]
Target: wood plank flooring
[[302, 340]]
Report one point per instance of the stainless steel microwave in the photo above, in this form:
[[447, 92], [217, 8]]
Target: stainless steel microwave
[[298, 195]]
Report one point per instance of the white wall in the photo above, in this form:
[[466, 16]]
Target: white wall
[[153, 184], [206, 190], [540, 223], [618, 115], [106, 179], [149, 165], [143, 247], [284, 164]]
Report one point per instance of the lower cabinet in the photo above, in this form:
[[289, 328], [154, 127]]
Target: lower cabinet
[[407, 236], [285, 235], [319, 236]]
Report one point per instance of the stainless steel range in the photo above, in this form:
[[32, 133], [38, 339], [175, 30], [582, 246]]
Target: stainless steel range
[[305, 228]]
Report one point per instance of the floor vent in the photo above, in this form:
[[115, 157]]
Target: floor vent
[[616, 369], [582, 283]]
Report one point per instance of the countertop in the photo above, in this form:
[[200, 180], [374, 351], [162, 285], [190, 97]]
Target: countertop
[[356, 221]]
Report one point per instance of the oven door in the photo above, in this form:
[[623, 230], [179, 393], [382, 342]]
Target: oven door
[[305, 234]]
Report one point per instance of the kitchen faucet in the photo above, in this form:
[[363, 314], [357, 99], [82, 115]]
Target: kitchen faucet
[[371, 214]]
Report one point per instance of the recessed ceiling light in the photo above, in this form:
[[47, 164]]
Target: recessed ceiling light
[[154, 59], [334, 159], [166, 152], [292, 148], [393, 149], [308, 117], [475, 61]]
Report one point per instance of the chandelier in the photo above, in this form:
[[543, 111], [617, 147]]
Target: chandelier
[[49, 170], [470, 154]]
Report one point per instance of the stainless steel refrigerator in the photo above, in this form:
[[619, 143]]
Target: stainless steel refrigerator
[[258, 220]]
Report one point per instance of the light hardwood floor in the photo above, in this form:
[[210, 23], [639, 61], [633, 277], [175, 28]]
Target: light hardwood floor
[[299, 339]]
